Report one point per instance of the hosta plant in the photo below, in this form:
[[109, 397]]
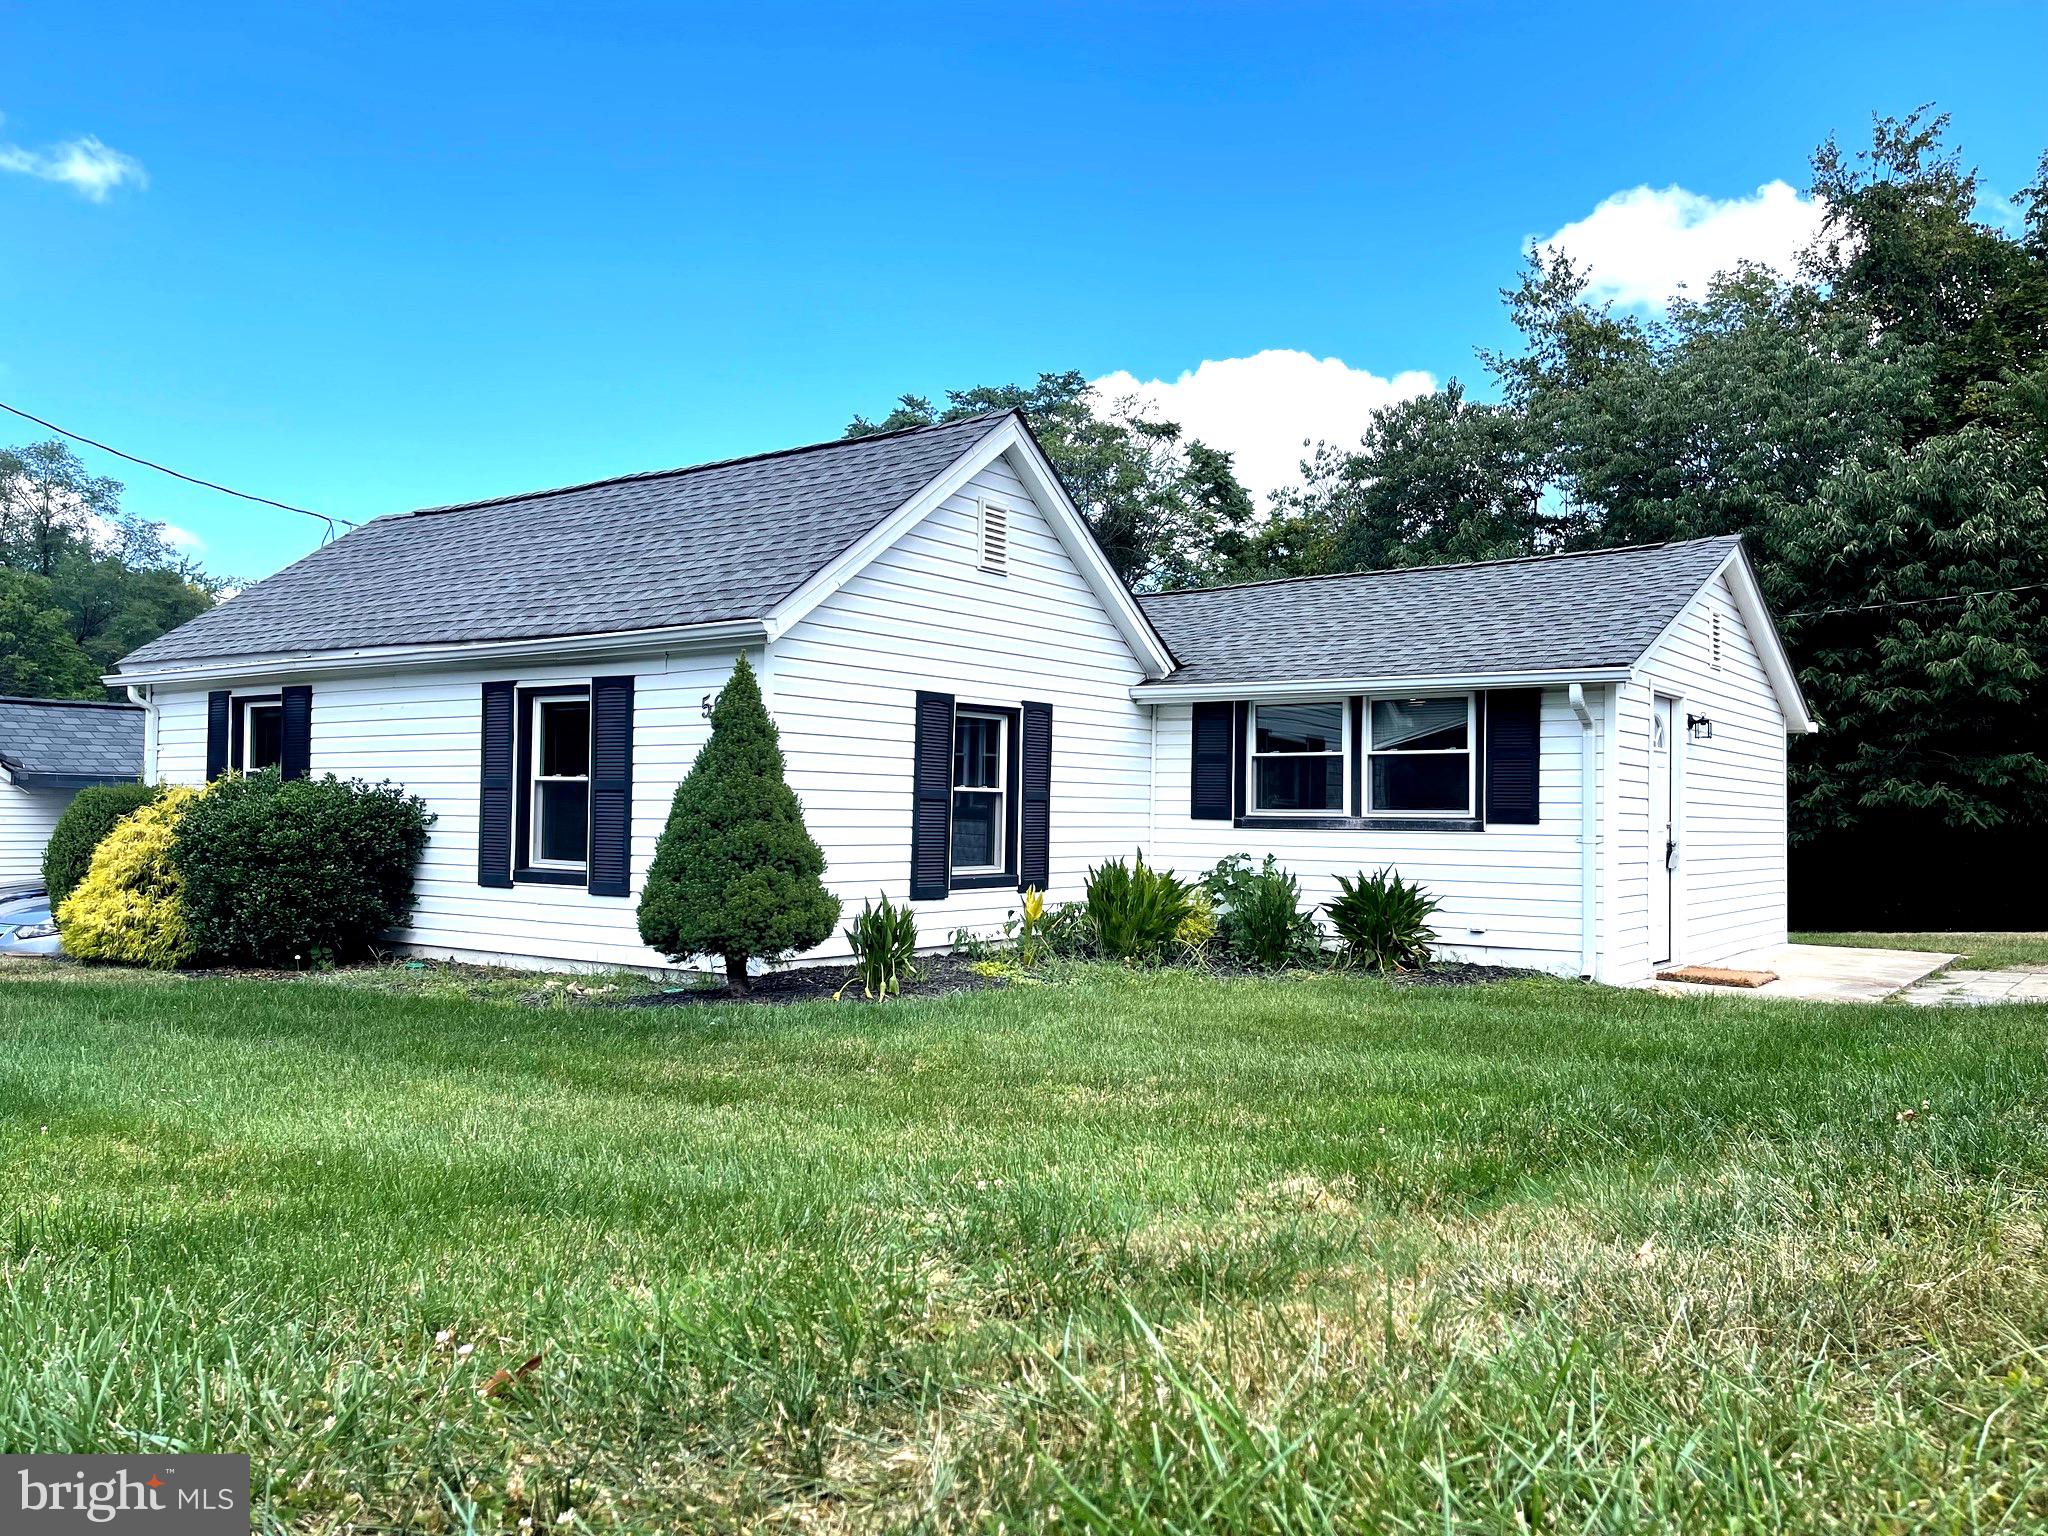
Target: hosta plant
[[1383, 921]]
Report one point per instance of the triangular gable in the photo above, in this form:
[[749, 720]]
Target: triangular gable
[[1012, 438], [1748, 594]]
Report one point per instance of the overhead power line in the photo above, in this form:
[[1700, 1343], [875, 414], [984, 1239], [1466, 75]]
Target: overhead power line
[[164, 469], [1916, 602]]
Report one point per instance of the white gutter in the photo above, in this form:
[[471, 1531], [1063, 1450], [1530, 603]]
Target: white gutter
[[1589, 841], [1323, 687], [143, 696], [381, 657]]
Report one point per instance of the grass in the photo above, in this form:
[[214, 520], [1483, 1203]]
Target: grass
[[1977, 951], [1151, 1253]]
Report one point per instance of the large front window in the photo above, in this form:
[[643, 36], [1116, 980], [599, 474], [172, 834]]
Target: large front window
[[1420, 761], [980, 765], [558, 810], [1297, 758]]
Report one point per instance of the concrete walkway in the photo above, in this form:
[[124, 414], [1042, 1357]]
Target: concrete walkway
[[2019, 984], [1826, 973]]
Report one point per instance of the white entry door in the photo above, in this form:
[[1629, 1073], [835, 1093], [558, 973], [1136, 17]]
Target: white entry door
[[1663, 828]]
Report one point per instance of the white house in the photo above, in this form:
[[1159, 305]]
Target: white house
[[970, 702], [49, 750]]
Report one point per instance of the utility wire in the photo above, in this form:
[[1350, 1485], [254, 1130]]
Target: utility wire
[[1916, 602], [165, 469]]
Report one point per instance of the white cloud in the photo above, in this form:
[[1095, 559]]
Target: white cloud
[[182, 538], [84, 164], [1644, 245], [1263, 408]]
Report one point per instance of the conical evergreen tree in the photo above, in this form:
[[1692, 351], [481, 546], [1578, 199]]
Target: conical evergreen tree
[[736, 874]]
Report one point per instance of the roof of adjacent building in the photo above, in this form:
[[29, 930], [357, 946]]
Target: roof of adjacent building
[[712, 542], [1548, 613], [67, 744]]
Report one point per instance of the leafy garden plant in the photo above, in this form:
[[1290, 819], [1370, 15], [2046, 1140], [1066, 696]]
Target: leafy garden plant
[[884, 940], [1134, 909], [1383, 921], [1259, 915], [130, 906], [89, 817]]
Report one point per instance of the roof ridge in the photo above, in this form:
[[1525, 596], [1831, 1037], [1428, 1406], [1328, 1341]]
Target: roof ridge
[[1450, 565], [691, 469], [70, 703]]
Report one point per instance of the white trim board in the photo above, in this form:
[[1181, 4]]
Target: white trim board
[[1170, 692]]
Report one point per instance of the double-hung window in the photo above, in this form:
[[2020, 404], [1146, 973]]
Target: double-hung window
[[1420, 761], [262, 735], [1298, 752], [980, 792], [558, 781]]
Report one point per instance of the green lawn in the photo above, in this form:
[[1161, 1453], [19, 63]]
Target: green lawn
[[1132, 1253], [1979, 951]]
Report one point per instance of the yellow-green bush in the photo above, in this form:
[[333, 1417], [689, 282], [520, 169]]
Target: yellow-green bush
[[129, 906]]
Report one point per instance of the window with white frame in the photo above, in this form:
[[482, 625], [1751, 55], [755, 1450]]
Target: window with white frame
[[262, 735], [1298, 753], [980, 792], [1419, 757], [558, 765]]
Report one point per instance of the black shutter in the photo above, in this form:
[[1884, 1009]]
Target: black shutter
[[611, 785], [219, 709], [1240, 750], [494, 803], [295, 740], [931, 810], [1513, 762], [1034, 863], [1209, 772], [1361, 747]]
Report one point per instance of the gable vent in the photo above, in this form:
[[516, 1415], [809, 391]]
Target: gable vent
[[1717, 639], [995, 536]]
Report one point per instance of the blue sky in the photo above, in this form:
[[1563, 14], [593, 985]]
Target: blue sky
[[372, 257]]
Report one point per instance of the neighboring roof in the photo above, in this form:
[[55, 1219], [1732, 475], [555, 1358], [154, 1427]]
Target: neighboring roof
[[1549, 613], [721, 541], [66, 744]]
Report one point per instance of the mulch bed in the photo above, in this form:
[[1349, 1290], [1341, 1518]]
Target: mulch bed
[[936, 976]]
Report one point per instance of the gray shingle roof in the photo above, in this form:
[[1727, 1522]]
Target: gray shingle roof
[[61, 744], [1598, 609], [728, 540]]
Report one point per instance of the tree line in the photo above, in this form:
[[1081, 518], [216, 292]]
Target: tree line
[[82, 582], [1873, 423]]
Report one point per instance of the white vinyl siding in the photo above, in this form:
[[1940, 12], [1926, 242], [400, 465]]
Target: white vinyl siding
[[1732, 796], [423, 730], [925, 615], [27, 818], [1510, 894]]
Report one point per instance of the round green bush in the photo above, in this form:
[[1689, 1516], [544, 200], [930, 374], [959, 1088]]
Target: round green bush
[[288, 872], [89, 817]]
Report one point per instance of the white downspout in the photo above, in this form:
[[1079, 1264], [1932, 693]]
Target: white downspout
[[145, 695], [1152, 787], [1589, 841]]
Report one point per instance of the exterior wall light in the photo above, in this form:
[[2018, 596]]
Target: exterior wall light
[[1699, 727]]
